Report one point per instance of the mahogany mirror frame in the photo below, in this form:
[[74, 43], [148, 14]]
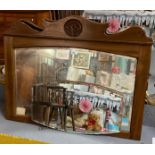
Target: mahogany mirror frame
[[75, 31]]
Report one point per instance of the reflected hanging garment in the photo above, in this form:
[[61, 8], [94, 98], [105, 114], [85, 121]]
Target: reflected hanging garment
[[123, 64]]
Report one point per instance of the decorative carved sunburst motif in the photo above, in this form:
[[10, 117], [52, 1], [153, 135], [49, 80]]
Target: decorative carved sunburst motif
[[73, 27]]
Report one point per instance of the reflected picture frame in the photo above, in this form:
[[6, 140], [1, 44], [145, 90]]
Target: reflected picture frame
[[81, 60], [62, 53]]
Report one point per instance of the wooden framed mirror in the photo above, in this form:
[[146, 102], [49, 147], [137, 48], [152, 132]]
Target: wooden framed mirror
[[74, 76]]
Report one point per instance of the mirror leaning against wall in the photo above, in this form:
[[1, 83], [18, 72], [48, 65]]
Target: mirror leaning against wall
[[73, 76]]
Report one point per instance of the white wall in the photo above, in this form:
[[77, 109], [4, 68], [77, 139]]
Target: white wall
[[151, 82]]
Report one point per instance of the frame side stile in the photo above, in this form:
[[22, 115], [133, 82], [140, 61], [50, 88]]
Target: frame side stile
[[8, 45], [140, 91]]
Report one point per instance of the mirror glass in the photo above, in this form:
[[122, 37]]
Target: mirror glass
[[75, 89]]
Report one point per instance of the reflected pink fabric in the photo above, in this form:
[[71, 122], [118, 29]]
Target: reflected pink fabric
[[115, 69], [85, 105]]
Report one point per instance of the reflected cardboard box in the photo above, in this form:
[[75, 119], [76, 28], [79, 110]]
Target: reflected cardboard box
[[123, 82], [83, 88], [74, 74], [103, 78]]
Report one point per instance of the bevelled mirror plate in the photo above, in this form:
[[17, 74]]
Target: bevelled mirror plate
[[74, 89]]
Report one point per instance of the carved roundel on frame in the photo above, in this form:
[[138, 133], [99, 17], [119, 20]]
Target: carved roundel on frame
[[73, 27]]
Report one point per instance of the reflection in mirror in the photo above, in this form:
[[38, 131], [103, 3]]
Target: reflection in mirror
[[75, 89]]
